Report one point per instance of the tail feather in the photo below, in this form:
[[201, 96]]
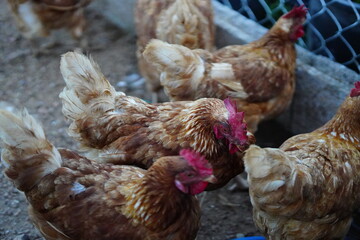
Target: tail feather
[[91, 103], [87, 90], [182, 69], [27, 155], [276, 180], [88, 95], [171, 57], [262, 163]]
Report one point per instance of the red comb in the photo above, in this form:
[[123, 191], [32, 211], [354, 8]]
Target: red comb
[[297, 12], [230, 106], [356, 90], [236, 130], [236, 119], [196, 160]]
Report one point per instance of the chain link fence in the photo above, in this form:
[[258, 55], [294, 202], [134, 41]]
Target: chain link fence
[[332, 27]]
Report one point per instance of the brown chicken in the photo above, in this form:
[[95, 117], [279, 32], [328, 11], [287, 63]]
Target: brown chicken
[[260, 75], [185, 22], [72, 197], [309, 187], [120, 129], [36, 18]]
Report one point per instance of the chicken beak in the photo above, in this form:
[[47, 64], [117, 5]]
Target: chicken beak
[[210, 179]]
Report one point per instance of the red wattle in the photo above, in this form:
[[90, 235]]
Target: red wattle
[[198, 188]]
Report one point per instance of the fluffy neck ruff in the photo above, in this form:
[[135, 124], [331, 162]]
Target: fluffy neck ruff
[[280, 47], [287, 30], [198, 126], [156, 203]]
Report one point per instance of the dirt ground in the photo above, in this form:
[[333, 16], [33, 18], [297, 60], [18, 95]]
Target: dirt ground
[[34, 82]]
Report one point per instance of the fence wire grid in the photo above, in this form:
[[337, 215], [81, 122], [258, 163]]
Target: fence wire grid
[[332, 28]]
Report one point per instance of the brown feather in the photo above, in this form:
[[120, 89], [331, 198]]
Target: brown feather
[[72, 197], [120, 129], [49, 15], [309, 187], [193, 27], [118, 199], [260, 75]]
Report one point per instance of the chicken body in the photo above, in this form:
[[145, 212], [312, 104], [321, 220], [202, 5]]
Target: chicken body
[[260, 75], [309, 187], [36, 18], [116, 128], [185, 22], [74, 198]]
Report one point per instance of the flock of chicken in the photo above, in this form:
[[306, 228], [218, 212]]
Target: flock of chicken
[[145, 162]]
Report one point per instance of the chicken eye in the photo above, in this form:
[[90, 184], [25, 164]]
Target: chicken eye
[[225, 131], [190, 174]]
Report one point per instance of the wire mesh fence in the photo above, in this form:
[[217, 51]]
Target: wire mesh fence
[[332, 27]]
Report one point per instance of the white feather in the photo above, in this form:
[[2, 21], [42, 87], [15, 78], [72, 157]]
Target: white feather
[[273, 185], [78, 188]]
